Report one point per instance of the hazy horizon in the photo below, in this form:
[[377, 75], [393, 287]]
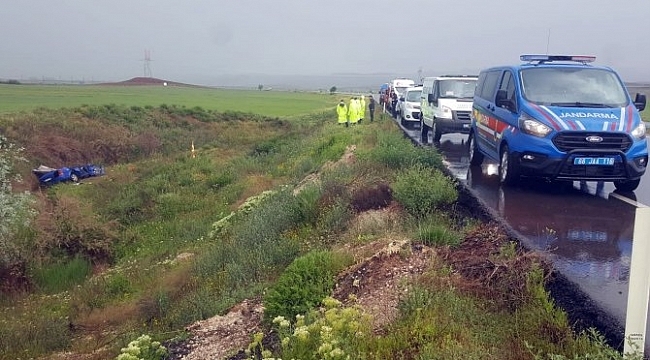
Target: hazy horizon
[[210, 42]]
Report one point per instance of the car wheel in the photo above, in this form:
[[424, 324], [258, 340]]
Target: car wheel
[[626, 186], [475, 155], [436, 132], [508, 168], [402, 120], [424, 132], [74, 178]]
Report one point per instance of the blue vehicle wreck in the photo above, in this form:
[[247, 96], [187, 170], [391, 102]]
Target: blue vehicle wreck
[[50, 176]]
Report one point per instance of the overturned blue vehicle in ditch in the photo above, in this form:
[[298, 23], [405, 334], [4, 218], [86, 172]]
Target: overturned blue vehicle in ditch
[[50, 176]]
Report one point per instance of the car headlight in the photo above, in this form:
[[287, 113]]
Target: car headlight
[[639, 131], [530, 126]]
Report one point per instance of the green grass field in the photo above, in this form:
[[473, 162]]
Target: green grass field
[[15, 98]]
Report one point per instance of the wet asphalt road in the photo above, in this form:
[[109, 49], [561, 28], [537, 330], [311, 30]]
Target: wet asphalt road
[[585, 229]]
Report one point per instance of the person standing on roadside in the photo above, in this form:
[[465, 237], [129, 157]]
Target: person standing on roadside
[[342, 112], [393, 101], [353, 112], [371, 107], [362, 108]]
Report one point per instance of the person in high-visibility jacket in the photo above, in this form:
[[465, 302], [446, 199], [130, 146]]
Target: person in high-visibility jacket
[[362, 108], [353, 110], [342, 112]]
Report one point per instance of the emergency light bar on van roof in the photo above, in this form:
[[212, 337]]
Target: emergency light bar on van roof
[[546, 58], [459, 76]]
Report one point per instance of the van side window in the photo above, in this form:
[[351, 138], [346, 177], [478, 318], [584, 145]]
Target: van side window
[[490, 86], [435, 92], [508, 84], [426, 90], [479, 84]]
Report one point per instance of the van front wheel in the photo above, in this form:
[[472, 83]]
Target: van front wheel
[[436, 132], [627, 186], [424, 133], [508, 167], [475, 156]]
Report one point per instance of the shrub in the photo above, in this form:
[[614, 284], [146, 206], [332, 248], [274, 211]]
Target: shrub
[[16, 213], [303, 284], [393, 150], [77, 232], [421, 190], [30, 334]]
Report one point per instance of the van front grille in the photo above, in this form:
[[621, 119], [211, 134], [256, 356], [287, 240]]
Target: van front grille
[[577, 140], [461, 115]]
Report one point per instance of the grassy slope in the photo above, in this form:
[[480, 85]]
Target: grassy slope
[[165, 205]]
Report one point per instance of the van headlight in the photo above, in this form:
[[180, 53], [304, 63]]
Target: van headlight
[[639, 131], [530, 126], [446, 112]]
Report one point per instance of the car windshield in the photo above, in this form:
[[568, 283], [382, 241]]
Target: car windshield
[[457, 89], [571, 86], [413, 96]]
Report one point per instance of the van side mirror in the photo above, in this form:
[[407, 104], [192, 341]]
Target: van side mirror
[[640, 101], [401, 98], [430, 98], [503, 101]]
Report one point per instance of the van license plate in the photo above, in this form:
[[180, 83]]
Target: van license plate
[[607, 161]]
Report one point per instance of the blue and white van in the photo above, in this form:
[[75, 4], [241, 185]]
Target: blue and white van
[[561, 118]]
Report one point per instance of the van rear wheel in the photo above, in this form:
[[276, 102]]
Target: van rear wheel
[[508, 167]]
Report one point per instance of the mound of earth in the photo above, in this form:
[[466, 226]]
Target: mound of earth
[[378, 282], [149, 81]]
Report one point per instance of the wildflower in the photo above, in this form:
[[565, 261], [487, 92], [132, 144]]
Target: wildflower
[[330, 302], [301, 332]]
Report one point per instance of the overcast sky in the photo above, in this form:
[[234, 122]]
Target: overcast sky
[[199, 40]]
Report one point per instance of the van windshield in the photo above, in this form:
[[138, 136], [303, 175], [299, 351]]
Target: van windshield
[[400, 90], [413, 96], [457, 89], [570, 86]]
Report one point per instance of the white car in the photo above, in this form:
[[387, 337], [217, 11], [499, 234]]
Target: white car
[[408, 106]]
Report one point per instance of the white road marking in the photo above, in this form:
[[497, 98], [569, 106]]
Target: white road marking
[[628, 200]]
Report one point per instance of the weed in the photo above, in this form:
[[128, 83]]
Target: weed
[[416, 300], [421, 190], [432, 231], [508, 250], [62, 275]]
